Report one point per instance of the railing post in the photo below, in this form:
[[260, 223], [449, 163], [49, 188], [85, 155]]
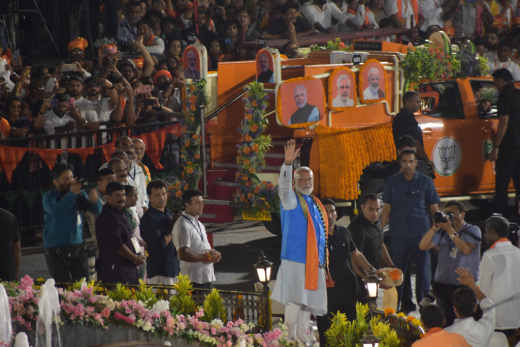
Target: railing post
[[203, 145], [267, 321]]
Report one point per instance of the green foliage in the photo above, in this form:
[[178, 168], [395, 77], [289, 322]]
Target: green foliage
[[120, 293], [336, 45], [145, 294], [183, 302], [214, 307], [344, 333]]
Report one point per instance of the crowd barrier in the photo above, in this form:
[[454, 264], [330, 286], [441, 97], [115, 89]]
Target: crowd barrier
[[26, 163]]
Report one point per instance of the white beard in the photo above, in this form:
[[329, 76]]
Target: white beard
[[304, 191]]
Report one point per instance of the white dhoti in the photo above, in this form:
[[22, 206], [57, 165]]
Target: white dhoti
[[299, 302]]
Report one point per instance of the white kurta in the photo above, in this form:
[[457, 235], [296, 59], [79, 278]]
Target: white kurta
[[290, 280]]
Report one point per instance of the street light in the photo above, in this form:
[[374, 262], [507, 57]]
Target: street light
[[263, 269], [372, 285]]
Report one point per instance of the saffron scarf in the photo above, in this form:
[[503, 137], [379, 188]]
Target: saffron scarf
[[349, 10], [415, 8], [504, 239], [312, 263], [150, 42]]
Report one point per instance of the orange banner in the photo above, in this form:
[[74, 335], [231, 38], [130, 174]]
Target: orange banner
[[10, 157]]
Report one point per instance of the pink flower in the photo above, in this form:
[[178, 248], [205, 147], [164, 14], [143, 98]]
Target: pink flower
[[105, 312]]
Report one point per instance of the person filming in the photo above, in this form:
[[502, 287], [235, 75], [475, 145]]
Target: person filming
[[458, 244]]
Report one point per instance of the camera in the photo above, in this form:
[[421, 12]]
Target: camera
[[427, 300], [443, 217]]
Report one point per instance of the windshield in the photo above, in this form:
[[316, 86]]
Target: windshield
[[486, 91]]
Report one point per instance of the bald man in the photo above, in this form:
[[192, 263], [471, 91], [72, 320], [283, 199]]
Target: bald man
[[372, 91], [301, 279], [343, 100], [267, 76], [140, 148], [305, 112]]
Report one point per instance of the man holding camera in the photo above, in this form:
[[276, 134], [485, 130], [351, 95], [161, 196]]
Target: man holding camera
[[458, 244], [63, 225]]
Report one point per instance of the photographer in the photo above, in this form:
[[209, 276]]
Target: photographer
[[63, 225], [458, 244]]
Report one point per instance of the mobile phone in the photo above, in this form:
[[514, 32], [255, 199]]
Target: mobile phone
[[72, 102], [109, 49], [191, 38], [261, 41], [68, 67], [54, 103], [143, 89], [148, 102], [228, 42]]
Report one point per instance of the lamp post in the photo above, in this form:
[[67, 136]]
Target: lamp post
[[263, 269], [372, 285]]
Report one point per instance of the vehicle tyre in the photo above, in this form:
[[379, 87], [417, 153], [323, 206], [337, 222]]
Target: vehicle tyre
[[274, 226]]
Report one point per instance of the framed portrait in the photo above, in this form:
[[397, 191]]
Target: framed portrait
[[372, 82], [192, 63], [342, 89], [265, 66], [300, 102]]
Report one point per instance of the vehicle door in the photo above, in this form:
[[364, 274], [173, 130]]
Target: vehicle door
[[447, 140]]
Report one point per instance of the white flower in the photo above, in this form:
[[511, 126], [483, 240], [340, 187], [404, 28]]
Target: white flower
[[161, 306], [216, 323], [147, 326], [244, 327], [181, 326]]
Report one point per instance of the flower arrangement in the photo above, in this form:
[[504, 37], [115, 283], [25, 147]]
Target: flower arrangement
[[471, 64], [82, 306], [428, 62], [175, 189], [252, 194], [336, 45], [348, 333], [392, 277], [344, 153]]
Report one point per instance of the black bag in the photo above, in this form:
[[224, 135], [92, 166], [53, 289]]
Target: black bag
[[70, 251]]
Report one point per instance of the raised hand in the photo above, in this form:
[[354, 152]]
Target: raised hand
[[291, 152]]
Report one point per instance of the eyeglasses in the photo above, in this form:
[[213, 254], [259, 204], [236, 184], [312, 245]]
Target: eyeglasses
[[310, 179]]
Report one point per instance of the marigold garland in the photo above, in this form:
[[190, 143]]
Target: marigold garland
[[194, 96], [254, 195], [353, 91], [344, 153], [279, 103], [360, 79]]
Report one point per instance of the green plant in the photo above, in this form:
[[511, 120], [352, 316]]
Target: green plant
[[145, 294], [120, 293], [344, 333], [183, 302], [336, 45], [214, 307]]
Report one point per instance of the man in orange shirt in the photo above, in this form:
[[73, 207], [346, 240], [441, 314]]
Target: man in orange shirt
[[433, 320]]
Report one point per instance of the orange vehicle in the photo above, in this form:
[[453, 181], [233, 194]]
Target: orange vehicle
[[457, 137]]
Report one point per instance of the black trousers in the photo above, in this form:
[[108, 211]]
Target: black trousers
[[444, 298], [65, 268], [507, 168]]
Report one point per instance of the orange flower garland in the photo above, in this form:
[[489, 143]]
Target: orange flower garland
[[279, 102], [353, 91], [344, 153], [360, 79]]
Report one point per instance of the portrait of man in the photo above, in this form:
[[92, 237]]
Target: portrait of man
[[343, 98], [305, 112], [266, 76], [373, 91], [191, 71]]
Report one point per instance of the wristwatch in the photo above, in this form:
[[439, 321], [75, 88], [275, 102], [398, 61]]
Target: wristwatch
[[453, 236]]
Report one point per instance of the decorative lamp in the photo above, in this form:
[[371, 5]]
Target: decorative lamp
[[370, 340], [372, 284], [263, 268]]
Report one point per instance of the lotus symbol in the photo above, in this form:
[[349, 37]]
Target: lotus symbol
[[447, 154]]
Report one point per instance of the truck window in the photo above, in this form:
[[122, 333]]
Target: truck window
[[441, 99], [485, 90]]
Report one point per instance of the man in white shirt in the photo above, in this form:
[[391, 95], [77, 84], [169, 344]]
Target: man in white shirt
[[404, 14], [74, 89], [154, 44], [476, 333], [501, 60], [436, 12], [59, 120], [319, 14], [343, 100], [372, 91], [191, 241], [98, 108], [499, 279]]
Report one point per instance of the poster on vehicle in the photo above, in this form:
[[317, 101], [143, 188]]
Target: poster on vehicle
[[447, 156], [342, 89], [372, 82]]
